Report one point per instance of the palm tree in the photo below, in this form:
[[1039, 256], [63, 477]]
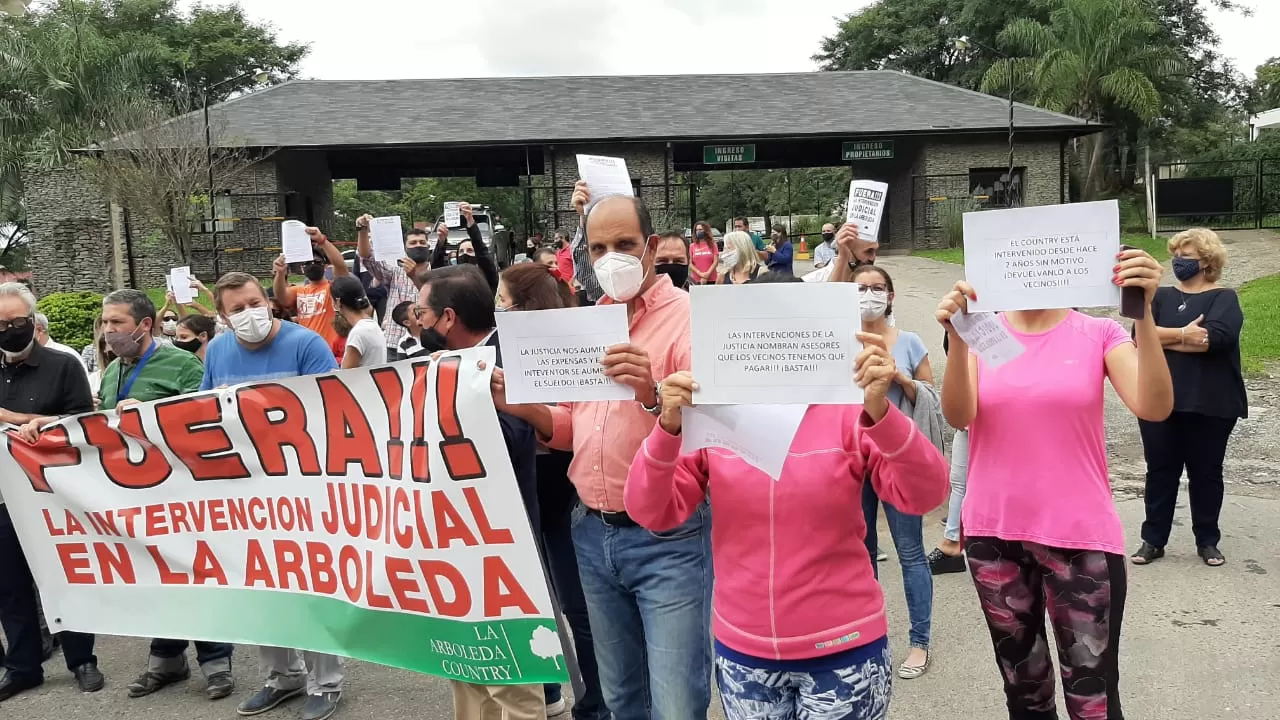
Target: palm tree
[[1093, 58]]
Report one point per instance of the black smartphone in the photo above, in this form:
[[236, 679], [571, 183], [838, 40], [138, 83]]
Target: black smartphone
[[1132, 300]]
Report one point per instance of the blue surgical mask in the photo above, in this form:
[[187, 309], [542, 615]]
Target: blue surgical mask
[[1186, 268]]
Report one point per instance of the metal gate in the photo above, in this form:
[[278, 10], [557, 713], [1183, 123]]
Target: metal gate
[[1218, 194], [938, 205], [547, 207]]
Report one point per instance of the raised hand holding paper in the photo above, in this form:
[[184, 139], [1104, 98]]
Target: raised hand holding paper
[[605, 176], [759, 434], [987, 337], [387, 238], [552, 356], [295, 242], [452, 214], [866, 207], [180, 284], [788, 342], [1039, 258]]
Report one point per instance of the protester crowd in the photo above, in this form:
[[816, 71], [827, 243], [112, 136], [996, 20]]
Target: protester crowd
[[779, 603]]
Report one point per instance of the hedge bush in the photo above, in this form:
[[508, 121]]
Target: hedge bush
[[71, 316]]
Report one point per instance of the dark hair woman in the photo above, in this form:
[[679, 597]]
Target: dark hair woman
[[703, 254], [532, 286], [366, 343], [194, 333]]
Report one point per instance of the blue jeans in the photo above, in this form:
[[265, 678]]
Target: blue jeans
[[649, 601], [959, 481], [908, 541]]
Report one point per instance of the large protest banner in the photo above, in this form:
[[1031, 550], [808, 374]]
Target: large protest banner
[[370, 513]]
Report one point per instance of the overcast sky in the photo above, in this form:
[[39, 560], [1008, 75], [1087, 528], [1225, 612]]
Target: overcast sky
[[383, 39]]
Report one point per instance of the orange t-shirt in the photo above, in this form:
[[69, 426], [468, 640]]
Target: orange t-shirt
[[315, 309]]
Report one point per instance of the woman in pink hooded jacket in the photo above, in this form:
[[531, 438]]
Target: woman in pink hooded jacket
[[798, 616]]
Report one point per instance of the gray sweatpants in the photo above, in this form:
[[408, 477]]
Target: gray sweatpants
[[288, 669]]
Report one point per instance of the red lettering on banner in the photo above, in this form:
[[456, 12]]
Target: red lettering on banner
[[401, 578], [461, 457], [449, 523], [206, 566], [76, 566], [192, 429], [438, 571], [419, 467], [114, 451], [489, 535], [113, 561], [371, 596], [256, 568], [320, 561], [391, 388], [70, 525], [348, 435], [400, 505], [502, 590], [289, 565], [275, 418], [53, 450], [167, 575]]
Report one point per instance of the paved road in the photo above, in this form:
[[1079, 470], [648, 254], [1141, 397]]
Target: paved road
[[1199, 643]]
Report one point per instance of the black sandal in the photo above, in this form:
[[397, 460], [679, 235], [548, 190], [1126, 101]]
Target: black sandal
[[1146, 555], [1211, 556]]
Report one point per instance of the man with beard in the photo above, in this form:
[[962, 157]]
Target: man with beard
[[311, 300], [396, 278]]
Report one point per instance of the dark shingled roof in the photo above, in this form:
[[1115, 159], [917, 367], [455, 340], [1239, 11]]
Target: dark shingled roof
[[497, 111]]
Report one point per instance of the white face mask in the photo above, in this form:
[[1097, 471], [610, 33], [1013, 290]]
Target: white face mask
[[873, 304], [620, 275], [729, 259], [169, 326], [252, 325]]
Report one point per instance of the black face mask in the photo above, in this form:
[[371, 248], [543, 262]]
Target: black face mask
[[192, 346], [418, 255], [828, 237], [679, 272], [15, 339], [314, 273], [464, 259], [432, 340]]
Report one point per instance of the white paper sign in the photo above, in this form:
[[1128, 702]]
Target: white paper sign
[[295, 242], [762, 344], [452, 214], [387, 239], [1055, 256], [552, 356], [180, 283], [605, 176], [987, 337], [759, 434], [866, 207]]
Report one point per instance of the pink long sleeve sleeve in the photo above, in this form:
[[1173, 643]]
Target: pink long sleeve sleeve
[[907, 471], [663, 486]]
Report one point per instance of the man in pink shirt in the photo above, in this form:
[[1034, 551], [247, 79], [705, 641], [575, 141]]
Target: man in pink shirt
[[648, 593]]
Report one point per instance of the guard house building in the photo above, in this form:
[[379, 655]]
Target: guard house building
[[942, 150]]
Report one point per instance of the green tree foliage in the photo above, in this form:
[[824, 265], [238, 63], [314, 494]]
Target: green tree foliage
[[419, 200], [68, 66], [71, 316], [1264, 94]]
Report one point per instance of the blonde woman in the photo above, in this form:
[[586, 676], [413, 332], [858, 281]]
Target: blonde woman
[[1199, 323], [739, 261]]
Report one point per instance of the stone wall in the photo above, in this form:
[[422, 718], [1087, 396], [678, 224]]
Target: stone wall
[[70, 227], [1042, 180], [649, 163]]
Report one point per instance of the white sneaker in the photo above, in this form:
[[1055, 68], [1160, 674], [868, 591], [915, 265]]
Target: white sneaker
[[557, 708]]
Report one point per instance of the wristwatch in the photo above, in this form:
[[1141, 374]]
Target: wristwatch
[[657, 401]]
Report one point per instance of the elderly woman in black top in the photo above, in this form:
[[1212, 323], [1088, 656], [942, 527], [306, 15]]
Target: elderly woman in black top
[[1199, 324]]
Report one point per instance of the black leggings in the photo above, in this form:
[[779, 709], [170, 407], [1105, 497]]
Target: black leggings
[[1198, 443], [1084, 593]]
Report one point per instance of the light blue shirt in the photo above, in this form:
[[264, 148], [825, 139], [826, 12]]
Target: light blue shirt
[[824, 253], [294, 351], [908, 353]]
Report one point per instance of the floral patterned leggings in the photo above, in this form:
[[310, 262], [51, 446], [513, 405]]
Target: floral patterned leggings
[[1084, 593]]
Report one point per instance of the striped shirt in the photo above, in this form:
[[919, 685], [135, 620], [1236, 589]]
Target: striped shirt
[[583, 271], [399, 289]]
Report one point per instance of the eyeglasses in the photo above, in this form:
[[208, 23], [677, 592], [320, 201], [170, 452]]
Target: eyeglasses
[[16, 323], [419, 311], [878, 287]]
